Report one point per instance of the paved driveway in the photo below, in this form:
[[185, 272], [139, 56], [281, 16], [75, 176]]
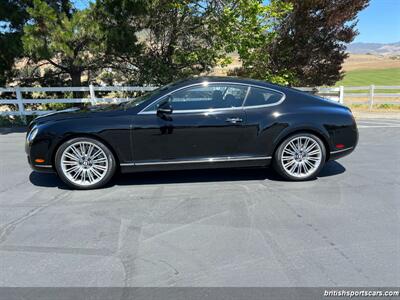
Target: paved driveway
[[207, 228]]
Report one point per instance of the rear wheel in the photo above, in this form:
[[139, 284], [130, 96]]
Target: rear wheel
[[300, 157], [84, 163]]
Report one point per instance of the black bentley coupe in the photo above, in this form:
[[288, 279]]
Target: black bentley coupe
[[203, 122]]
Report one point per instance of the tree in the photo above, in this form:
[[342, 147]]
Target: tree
[[164, 40], [145, 42], [68, 40], [250, 26], [13, 16], [180, 40], [311, 40], [158, 41], [121, 22]]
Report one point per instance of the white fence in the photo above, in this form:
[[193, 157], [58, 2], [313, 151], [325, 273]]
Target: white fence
[[333, 93], [367, 94], [20, 101]]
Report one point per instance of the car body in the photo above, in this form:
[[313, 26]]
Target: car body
[[203, 122]]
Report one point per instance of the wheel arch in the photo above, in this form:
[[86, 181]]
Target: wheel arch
[[79, 135], [324, 137]]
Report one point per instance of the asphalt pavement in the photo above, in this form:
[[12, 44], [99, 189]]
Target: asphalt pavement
[[207, 228]]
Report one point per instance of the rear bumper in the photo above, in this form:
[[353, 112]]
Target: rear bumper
[[340, 153], [347, 136]]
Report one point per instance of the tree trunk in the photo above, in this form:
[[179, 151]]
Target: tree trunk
[[77, 82]]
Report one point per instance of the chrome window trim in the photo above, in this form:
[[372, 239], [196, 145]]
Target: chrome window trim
[[200, 160], [211, 110], [341, 150], [283, 97]]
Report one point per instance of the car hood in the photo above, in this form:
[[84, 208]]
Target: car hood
[[77, 113]]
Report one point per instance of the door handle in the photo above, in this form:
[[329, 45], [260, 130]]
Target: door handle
[[234, 120]]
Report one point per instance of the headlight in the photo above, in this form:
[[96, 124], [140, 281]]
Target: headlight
[[32, 135]]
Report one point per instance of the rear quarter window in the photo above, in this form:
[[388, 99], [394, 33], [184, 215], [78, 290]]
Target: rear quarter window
[[260, 96]]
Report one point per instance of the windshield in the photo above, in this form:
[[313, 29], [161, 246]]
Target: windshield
[[146, 96]]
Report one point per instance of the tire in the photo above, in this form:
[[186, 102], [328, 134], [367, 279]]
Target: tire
[[84, 163], [300, 163]]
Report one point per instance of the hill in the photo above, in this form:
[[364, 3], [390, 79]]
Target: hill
[[374, 48], [370, 61]]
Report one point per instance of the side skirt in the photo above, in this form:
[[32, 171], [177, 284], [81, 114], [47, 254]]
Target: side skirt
[[208, 163]]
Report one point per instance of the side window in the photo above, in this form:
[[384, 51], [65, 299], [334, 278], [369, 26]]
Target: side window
[[259, 96], [206, 97]]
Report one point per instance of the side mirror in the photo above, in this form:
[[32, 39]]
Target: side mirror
[[164, 108]]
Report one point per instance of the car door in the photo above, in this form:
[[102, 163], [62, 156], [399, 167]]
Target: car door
[[206, 122]]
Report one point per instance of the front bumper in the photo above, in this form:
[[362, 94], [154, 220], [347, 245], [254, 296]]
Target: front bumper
[[43, 168], [39, 149]]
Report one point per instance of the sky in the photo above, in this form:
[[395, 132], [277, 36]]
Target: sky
[[379, 22]]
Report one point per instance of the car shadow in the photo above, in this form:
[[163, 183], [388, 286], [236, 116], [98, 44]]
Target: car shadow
[[46, 180], [331, 168]]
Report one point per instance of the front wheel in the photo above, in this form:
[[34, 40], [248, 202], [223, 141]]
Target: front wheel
[[300, 157], [84, 163]]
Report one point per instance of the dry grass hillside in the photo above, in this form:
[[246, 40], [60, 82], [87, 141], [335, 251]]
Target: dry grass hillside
[[353, 62], [370, 61]]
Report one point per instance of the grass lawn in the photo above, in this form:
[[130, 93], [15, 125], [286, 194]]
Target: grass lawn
[[371, 76]]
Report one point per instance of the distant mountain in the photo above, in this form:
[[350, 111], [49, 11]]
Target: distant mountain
[[374, 48]]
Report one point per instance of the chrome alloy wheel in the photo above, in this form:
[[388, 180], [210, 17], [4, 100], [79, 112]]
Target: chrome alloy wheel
[[301, 156], [84, 163]]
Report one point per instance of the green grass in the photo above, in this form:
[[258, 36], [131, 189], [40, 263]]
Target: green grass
[[373, 76]]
